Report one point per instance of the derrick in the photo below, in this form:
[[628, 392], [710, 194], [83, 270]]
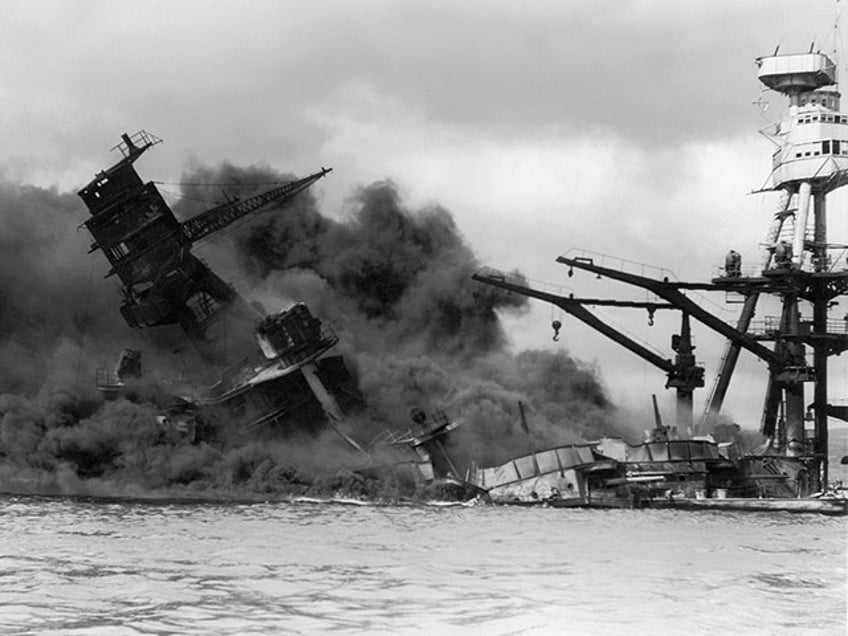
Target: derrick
[[683, 374]]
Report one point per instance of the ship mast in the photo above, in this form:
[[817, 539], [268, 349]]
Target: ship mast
[[810, 162], [798, 268], [150, 251]]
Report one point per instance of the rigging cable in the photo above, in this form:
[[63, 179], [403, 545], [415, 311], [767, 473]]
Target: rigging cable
[[229, 183]]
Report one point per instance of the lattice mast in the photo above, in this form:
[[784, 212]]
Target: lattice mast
[[150, 250], [811, 161]]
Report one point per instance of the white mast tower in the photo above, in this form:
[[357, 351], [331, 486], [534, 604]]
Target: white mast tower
[[811, 161]]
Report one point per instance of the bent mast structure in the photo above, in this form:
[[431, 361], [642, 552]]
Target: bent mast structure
[[150, 250]]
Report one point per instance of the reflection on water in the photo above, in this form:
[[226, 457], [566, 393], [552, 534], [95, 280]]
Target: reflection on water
[[70, 566]]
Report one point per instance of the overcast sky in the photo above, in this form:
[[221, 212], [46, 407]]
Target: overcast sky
[[621, 127]]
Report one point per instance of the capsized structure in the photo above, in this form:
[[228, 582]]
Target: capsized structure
[[800, 268], [273, 370], [422, 452]]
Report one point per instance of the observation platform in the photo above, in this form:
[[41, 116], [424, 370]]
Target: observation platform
[[796, 73]]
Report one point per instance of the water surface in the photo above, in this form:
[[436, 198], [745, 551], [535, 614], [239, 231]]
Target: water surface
[[71, 566]]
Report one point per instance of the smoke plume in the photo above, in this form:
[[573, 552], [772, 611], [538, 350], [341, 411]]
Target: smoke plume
[[394, 283]]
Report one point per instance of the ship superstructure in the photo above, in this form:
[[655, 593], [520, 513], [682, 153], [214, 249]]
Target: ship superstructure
[[800, 265], [270, 369], [800, 268], [150, 251]]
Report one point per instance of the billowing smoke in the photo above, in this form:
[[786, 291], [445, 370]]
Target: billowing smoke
[[59, 318], [394, 283], [45, 307]]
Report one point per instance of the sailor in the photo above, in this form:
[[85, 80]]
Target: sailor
[[782, 254], [733, 264]]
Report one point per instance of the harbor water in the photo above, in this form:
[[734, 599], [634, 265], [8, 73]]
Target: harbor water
[[77, 566]]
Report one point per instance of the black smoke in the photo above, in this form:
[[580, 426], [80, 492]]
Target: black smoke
[[58, 316], [394, 282]]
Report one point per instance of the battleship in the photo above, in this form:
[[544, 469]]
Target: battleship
[[283, 379], [800, 268]]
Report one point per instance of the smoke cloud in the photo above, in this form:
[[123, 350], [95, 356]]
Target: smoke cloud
[[48, 308], [394, 283]]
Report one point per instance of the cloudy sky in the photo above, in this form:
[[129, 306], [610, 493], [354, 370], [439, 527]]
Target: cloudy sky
[[622, 127]]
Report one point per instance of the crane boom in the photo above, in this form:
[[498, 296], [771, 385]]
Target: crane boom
[[149, 249], [684, 375], [670, 292], [207, 223], [574, 306]]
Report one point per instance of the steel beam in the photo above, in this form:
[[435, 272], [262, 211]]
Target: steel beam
[[668, 292]]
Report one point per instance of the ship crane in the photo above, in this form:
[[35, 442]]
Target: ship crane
[[788, 370], [801, 269], [670, 291], [216, 219], [684, 375], [783, 365], [150, 250]]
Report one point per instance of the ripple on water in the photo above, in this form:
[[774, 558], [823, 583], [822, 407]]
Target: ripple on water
[[142, 567]]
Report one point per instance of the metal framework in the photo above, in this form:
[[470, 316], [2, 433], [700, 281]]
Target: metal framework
[[150, 250], [811, 161], [683, 374]]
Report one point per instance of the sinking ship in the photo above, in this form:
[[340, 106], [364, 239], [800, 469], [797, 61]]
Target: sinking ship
[[269, 371], [800, 268]]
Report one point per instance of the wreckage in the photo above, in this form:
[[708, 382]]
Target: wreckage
[[283, 376], [289, 373], [799, 267]]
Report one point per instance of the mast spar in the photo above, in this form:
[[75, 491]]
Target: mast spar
[[799, 267]]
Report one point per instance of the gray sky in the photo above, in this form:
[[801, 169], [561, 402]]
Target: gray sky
[[621, 127]]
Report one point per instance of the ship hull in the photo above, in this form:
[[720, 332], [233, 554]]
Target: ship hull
[[681, 474], [836, 507]]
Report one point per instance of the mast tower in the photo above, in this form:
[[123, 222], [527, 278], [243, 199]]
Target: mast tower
[[811, 161], [800, 268]]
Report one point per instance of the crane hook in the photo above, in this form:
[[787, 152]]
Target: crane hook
[[651, 317], [557, 325], [570, 272]]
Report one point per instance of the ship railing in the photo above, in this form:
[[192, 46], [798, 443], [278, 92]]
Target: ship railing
[[770, 325], [832, 264], [140, 139], [836, 326], [622, 264], [756, 271], [514, 278], [389, 437], [747, 271]]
